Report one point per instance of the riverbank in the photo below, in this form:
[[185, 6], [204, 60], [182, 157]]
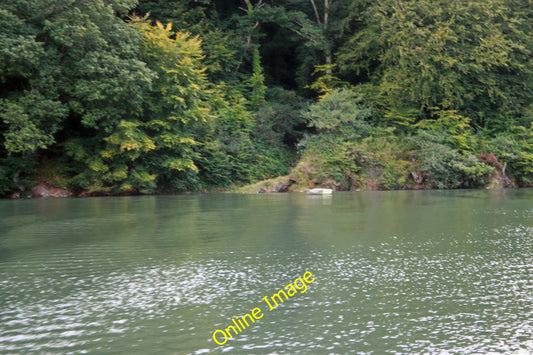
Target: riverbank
[[288, 183], [280, 184], [372, 163]]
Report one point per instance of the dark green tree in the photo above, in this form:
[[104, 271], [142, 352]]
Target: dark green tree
[[69, 68]]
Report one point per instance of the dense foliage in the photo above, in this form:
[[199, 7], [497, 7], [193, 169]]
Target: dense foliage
[[127, 96]]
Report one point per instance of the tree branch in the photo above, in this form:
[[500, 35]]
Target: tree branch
[[317, 15]]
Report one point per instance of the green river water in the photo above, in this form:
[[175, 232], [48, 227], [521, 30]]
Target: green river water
[[395, 273]]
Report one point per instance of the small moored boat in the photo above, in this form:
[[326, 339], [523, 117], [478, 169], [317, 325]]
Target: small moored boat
[[319, 191]]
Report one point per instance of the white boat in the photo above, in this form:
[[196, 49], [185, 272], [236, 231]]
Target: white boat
[[319, 191]]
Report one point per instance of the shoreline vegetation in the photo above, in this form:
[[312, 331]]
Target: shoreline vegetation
[[116, 97]]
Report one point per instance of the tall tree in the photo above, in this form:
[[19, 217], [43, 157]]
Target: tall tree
[[319, 25], [155, 147], [208, 19], [68, 68], [471, 56]]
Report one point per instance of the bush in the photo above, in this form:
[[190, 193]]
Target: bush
[[515, 151], [281, 121], [17, 174], [340, 113], [388, 161], [443, 167]]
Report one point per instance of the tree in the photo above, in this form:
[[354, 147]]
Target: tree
[[155, 147], [207, 19], [69, 68], [469, 56], [319, 25], [316, 31]]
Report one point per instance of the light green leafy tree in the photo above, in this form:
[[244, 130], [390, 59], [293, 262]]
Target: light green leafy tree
[[469, 56]]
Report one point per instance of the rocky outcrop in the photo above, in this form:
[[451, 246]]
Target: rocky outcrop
[[498, 179], [279, 186], [15, 194], [45, 190]]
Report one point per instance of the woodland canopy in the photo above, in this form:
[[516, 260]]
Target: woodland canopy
[[126, 96]]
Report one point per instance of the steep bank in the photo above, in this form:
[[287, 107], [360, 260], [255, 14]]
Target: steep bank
[[306, 176]]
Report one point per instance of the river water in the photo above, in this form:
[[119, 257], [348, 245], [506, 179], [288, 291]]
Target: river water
[[394, 272]]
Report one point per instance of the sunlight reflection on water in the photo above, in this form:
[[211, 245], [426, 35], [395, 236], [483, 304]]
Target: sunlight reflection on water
[[463, 290]]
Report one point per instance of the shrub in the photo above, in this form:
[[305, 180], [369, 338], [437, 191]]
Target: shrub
[[443, 167], [340, 113]]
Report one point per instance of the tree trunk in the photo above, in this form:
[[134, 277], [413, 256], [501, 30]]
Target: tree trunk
[[327, 46]]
